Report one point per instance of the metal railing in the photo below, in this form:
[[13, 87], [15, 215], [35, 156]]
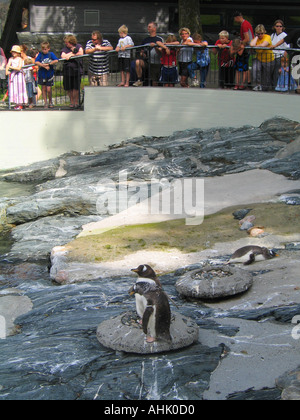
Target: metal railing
[[222, 72]]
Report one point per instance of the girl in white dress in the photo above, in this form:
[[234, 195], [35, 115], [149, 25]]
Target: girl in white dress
[[17, 84]]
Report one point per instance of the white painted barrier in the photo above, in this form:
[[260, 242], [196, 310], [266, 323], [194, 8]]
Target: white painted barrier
[[113, 114]]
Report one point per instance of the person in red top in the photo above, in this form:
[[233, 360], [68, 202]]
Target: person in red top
[[169, 74], [247, 34], [226, 61]]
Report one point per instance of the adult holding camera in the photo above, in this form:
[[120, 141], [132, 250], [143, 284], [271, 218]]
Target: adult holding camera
[[72, 69], [98, 49]]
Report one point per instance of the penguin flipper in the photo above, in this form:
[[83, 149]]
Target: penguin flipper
[[251, 259], [148, 312]]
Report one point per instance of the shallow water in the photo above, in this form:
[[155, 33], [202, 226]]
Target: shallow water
[[15, 189]]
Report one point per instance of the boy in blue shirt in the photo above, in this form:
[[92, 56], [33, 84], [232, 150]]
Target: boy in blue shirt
[[45, 60], [202, 61]]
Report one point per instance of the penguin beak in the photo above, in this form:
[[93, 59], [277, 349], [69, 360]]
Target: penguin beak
[[135, 270], [131, 291]]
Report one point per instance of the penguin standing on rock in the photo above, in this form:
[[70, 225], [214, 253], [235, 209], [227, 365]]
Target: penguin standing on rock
[[156, 319], [146, 272], [251, 253]]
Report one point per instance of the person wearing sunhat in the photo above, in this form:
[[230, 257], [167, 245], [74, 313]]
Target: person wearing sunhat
[[17, 84]]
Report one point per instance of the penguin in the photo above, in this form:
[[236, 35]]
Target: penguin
[[146, 272], [251, 253], [156, 319]]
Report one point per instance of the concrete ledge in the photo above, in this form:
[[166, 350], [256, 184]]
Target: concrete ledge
[[113, 115]]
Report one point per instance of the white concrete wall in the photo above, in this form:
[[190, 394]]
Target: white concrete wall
[[113, 114]]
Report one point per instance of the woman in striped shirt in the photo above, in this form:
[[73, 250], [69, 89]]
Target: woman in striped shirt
[[98, 49]]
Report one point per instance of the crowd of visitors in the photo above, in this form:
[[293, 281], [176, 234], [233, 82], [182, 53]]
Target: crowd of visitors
[[155, 62]]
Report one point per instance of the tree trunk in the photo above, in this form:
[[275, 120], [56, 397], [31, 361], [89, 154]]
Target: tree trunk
[[189, 15]]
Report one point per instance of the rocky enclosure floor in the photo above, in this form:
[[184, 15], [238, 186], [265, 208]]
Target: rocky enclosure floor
[[248, 345]]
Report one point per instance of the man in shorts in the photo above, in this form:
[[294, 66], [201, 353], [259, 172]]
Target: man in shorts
[[153, 57]]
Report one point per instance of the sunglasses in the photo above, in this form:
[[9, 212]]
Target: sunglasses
[[259, 34], [278, 26]]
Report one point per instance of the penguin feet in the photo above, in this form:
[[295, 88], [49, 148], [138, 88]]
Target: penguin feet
[[150, 339]]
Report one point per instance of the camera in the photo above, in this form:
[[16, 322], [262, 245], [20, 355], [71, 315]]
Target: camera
[[75, 50]]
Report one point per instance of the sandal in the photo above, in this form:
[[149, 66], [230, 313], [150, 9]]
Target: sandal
[[120, 85]]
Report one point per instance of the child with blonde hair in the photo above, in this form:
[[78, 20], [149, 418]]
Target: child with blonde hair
[[285, 81], [264, 63], [202, 61], [169, 74], [17, 84], [45, 60], [124, 43], [226, 62], [185, 56], [241, 55], [30, 82]]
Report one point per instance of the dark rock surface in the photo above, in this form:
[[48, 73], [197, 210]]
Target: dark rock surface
[[289, 384], [56, 354]]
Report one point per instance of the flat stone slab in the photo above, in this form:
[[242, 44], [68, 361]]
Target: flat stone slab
[[124, 333], [214, 282]]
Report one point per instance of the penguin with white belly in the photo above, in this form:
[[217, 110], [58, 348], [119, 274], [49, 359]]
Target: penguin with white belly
[[251, 253], [156, 319], [144, 271]]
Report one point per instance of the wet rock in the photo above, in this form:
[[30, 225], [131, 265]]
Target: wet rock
[[58, 348], [290, 149], [124, 333], [289, 383], [288, 166], [293, 246], [214, 282], [281, 129], [265, 394], [69, 202], [291, 199], [34, 240]]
